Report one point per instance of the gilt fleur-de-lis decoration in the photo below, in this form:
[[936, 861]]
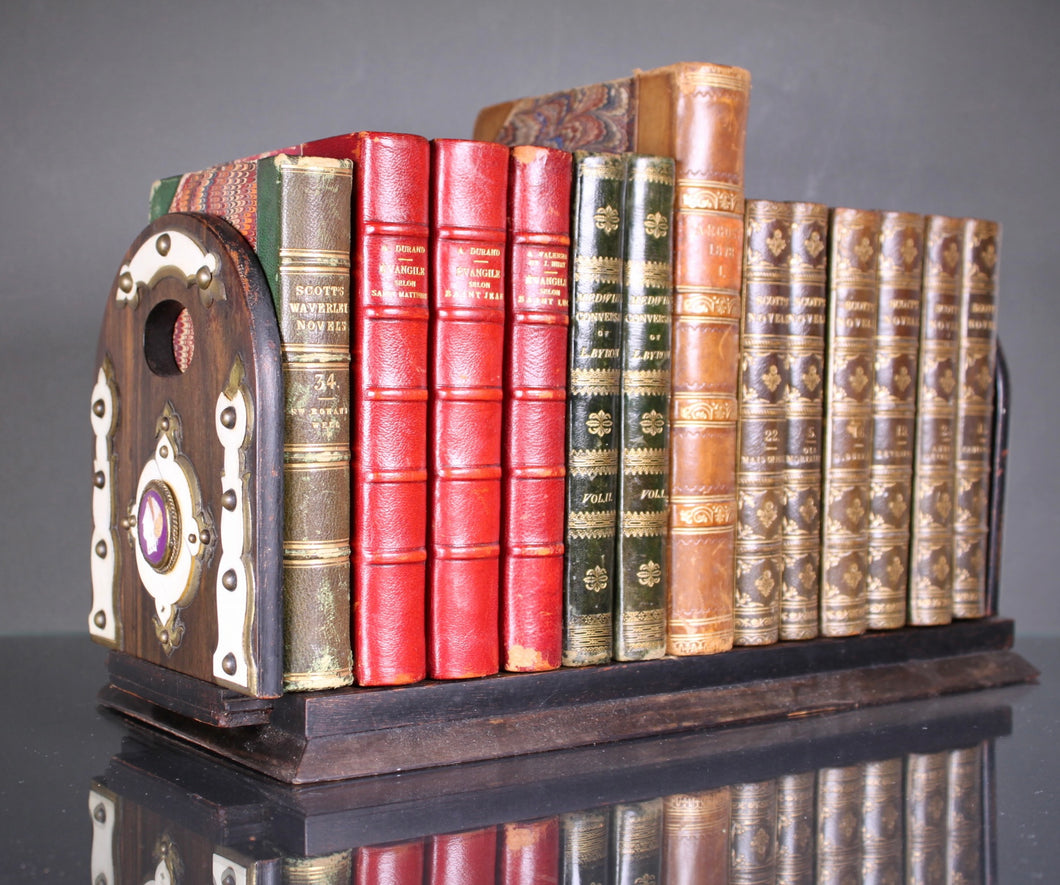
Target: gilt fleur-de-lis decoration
[[895, 569], [947, 381], [814, 244], [656, 226], [649, 574], [852, 576], [859, 379], [855, 511], [807, 575], [606, 219], [808, 510], [909, 250], [776, 242], [596, 579], [897, 504], [765, 585], [983, 377], [864, 250], [599, 424], [772, 378], [989, 256], [941, 569], [768, 514], [903, 379], [945, 505], [652, 423], [811, 378], [950, 256]]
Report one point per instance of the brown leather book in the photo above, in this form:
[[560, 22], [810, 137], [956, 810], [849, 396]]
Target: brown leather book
[[848, 420], [839, 798], [882, 834], [753, 852], [965, 848], [926, 776], [805, 414], [696, 837], [796, 821], [894, 416], [762, 426], [977, 363], [930, 594], [695, 113]]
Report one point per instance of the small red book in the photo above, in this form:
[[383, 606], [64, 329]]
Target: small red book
[[528, 852], [469, 190], [389, 344], [400, 863], [468, 858], [535, 387]]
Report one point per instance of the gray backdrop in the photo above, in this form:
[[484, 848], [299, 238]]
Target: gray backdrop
[[948, 106]]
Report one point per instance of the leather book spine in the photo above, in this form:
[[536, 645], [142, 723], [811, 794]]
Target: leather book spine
[[469, 183], [400, 863], [926, 795], [313, 205], [839, 798], [586, 840], [977, 363], [805, 415], [762, 426], [535, 409], [528, 852], [894, 416], [696, 838], [796, 822], [390, 326], [753, 851], [593, 405], [930, 594], [882, 835], [704, 130], [641, 533], [965, 849], [466, 858], [636, 830], [847, 457]]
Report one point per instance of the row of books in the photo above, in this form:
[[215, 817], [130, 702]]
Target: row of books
[[918, 818]]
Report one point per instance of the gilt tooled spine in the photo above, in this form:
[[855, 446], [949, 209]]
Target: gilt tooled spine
[[643, 484], [894, 416], [753, 853], [930, 593], [805, 429], [391, 315], [636, 831], [839, 816], [926, 797], [696, 837], [977, 363], [593, 405], [762, 427], [847, 457], [965, 837], [313, 204], [882, 833], [535, 409], [586, 841], [467, 262], [796, 828]]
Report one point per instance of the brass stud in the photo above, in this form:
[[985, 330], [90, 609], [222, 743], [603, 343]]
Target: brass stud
[[192, 538], [164, 451], [100, 813], [99, 479], [101, 549], [204, 277], [229, 664], [229, 580], [100, 620], [228, 417], [164, 424], [204, 536], [126, 282], [229, 500], [99, 408], [164, 637], [162, 244]]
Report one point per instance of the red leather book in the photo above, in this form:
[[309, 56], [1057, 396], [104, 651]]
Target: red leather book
[[535, 387], [469, 198], [528, 853], [398, 864], [468, 858], [389, 342]]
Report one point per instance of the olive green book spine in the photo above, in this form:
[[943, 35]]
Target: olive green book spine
[[636, 833], [643, 489], [593, 404]]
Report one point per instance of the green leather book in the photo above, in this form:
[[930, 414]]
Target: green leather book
[[643, 489], [593, 399]]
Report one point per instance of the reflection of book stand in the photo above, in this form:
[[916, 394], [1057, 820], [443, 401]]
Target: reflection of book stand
[[217, 697]]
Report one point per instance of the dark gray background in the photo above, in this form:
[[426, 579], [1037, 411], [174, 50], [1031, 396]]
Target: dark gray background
[[950, 107]]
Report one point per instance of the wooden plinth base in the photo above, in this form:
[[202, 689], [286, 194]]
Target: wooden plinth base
[[358, 732]]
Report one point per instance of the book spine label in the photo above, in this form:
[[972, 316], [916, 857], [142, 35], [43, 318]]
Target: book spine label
[[796, 822], [593, 405], [391, 218], [762, 429], [805, 430], [882, 835], [894, 416], [977, 363], [636, 831], [934, 489], [847, 455], [706, 136], [535, 409], [641, 534], [467, 261], [312, 288], [753, 854], [696, 837]]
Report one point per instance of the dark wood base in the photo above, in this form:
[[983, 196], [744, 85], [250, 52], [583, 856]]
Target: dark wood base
[[359, 732]]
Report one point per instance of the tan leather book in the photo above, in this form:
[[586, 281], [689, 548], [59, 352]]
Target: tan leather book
[[848, 421], [894, 416], [696, 113], [696, 837]]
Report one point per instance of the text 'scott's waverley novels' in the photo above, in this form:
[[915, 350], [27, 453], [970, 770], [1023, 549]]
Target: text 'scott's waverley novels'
[[695, 113]]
